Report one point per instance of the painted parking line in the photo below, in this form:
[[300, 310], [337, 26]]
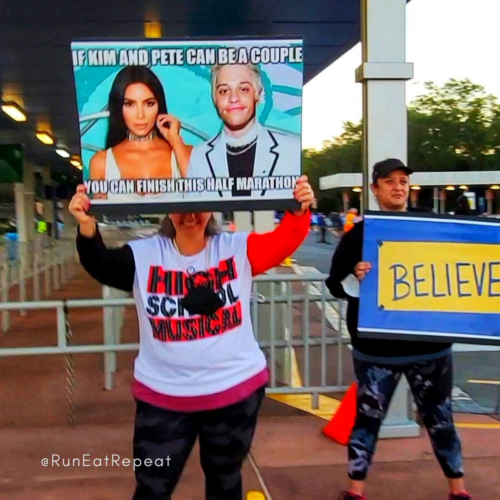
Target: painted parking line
[[327, 405], [486, 382], [258, 495], [255, 495], [465, 425], [314, 290]]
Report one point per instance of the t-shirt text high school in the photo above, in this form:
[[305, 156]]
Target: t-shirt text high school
[[189, 362]]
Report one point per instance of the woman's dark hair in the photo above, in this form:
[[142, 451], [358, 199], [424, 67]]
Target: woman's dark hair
[[463, 206], [167, 229], [117, 130]]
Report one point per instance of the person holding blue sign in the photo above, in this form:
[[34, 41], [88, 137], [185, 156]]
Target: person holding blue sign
[[380, 364]]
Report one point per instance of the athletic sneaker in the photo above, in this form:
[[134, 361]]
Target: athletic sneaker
[[459, 496], [347, 495]]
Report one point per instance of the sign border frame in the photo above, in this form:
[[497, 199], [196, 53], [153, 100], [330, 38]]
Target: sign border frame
[[371, 332], [228, 205]]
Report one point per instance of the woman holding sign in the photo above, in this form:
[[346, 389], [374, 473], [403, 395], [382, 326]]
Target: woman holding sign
[[143, 140], [200, 372], [380, 364]]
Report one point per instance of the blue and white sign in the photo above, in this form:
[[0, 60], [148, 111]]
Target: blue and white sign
[[432, 278]]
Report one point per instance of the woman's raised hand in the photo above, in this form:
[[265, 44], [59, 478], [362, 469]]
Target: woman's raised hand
[[303, 194], [169, 127], [78, 207]]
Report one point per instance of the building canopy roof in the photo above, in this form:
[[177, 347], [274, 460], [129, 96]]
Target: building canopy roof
[[422, 179], [35, 59]]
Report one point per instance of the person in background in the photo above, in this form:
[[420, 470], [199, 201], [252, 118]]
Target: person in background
[[463, 206], [337, 224], [380, 364], [322, 228], [200, 372], [350, 219]]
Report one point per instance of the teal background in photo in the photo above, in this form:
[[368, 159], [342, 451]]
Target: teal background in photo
[[188, 94]]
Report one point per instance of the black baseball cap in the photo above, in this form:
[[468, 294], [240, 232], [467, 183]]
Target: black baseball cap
[[385, 167]]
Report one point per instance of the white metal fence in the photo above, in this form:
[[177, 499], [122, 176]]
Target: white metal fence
[[34, 269], [276, 300]]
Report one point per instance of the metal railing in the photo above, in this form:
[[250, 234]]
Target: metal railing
[[277, 333], [51, 262], [275, 298]]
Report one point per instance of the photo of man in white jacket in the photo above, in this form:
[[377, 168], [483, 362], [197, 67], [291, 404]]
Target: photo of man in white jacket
[[255, 156]]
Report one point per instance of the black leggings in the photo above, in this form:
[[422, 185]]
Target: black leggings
[[431, 383], [167, 438]]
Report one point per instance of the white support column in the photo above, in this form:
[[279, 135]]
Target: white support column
[[263, 221], [29, 200], [442, 201], [68, 221], [489, 202], [383, 73], [219, 219], [21, 222], [48, 205], [435, 194], [243, 221]]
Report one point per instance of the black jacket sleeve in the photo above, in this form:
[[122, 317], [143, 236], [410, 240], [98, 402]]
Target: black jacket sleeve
[[114, 267], [346, 256]]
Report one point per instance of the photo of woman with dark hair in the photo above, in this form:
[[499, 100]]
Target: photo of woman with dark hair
[[143, 139]]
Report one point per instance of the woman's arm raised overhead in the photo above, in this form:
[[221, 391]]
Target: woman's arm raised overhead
[[114, 267], [268, 250]]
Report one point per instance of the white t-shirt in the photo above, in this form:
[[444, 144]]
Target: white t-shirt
[[183, 355]]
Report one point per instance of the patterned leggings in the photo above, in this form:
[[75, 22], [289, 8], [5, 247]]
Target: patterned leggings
[[167, 438], [431, 385]]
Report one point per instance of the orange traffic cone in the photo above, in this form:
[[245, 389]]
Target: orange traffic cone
[[342, 422]]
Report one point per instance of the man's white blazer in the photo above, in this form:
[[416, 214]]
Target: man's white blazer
[[276, 155]]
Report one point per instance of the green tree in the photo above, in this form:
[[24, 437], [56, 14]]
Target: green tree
[[341, 155], [451, 127]]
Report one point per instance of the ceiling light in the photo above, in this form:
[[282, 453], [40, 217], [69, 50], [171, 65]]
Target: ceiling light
[[450, 188], [495, 186], [62, 152], [463, 186], [416, 188], [357, 189], [14, 111], [152, 29], [75, 161], [45, 137]]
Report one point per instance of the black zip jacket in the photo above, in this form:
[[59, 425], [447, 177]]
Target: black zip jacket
[[348, 253]]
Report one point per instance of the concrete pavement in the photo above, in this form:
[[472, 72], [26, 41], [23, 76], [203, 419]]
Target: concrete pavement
[[290, 460]]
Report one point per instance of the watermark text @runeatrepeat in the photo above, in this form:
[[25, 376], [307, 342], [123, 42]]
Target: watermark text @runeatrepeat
[[108, 461]]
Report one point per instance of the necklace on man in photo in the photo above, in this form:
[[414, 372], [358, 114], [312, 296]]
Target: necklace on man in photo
[[239, 150]]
